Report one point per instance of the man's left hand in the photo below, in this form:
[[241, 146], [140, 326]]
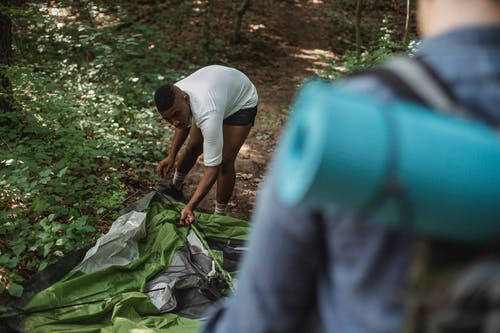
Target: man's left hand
[[187, 216]]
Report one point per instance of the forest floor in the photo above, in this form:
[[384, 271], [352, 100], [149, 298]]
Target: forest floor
[[289, 42]]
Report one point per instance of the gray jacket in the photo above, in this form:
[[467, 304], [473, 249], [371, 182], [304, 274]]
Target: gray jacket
[[326, 272]]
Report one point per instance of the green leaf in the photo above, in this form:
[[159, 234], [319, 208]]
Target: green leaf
[[18, 249], [7, 312], [40, 205], [46, 249], [15, 290], [45, 173], [44, 180], [62, 172], [7, 260], [43, 264]]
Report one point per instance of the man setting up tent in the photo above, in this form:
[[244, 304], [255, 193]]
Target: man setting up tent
[[215, 108], [311, 268]]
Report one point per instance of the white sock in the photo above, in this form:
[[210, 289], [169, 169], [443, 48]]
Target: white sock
[[178, 179], [220, 209]]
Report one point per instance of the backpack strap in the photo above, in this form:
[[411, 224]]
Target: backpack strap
[[413, 80], [426, 84]]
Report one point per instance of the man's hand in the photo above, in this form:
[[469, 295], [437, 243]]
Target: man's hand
[[165, 166], [187, 216]]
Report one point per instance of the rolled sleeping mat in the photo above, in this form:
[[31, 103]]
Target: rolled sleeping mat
[[413, 167]]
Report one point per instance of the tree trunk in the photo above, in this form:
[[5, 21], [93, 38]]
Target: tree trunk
[[407, 21], [357, 26], [240, 11], [207, 31], [5, 60]]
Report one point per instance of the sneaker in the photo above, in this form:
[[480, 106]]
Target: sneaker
[[171, 190]]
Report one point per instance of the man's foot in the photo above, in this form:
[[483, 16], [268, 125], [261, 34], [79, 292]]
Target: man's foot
[[172, 191]]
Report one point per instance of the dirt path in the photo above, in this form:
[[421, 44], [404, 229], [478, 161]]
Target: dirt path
[[286, 45]]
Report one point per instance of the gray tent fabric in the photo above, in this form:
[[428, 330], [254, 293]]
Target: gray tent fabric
[[183, 272], [118, 246]]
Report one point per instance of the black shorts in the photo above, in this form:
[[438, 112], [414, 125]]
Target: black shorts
[[242, 117]]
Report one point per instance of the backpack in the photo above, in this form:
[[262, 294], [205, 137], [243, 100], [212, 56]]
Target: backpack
[[454, 287], [378, 160]]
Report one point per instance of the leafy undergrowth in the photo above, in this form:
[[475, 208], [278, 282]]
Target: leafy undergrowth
[[82, 138]]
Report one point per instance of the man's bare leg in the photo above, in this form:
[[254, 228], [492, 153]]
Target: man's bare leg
[[234, 137]]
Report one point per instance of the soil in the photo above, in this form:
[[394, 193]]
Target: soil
[[283, 43]]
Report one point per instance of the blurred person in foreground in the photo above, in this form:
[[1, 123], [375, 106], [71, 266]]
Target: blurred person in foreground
[[215, 107], [324, 271]]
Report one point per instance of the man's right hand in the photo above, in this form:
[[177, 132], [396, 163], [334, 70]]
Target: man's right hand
[[165, 166]]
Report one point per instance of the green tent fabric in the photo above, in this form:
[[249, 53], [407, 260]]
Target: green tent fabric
[[116, 298]]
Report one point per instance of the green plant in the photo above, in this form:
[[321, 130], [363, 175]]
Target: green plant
[[82, 134], [384, 46]]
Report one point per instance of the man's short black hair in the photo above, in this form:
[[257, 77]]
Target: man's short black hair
[[164, 97]]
